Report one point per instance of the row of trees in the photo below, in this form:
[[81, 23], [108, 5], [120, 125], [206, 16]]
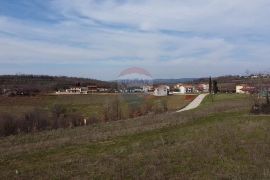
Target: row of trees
[[60, 117], [119, 109], [38, 120]]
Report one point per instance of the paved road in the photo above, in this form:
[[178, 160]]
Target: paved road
[[194, 104]]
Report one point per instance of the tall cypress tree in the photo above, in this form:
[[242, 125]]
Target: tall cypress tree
[[215, 87], [210, 85], [267, 97]]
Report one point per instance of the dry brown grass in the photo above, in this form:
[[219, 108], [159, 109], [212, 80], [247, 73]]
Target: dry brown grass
[[37, 113], [88, 105], [216, 141]]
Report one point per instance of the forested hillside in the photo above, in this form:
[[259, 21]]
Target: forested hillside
[[45, 83]]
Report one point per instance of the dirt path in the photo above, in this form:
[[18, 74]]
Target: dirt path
[[194, 104]]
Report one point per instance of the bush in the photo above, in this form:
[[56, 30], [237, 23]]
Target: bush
[[134, 110], [58, 110], [38, 120], [260, 109], [112, 110], [69, 120], [265, 108], [160, 107], [35, 120], [8, 125], [255, 109], [92, 120]]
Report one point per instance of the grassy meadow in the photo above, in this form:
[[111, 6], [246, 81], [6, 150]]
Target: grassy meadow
[[87, 105], [219, 140]]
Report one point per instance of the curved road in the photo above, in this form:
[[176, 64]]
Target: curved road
[[194, 104]]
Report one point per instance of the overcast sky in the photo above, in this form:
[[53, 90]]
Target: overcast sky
[[169, 38]]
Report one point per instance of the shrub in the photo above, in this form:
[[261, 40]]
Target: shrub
[[112, 110], [35, 120], [164, 104], [255, 109], [260, 109], [8, 125], [134, 110], [58, 110], [74, 119], [160, 107], [92, 120], [265, 109], [38, 120]]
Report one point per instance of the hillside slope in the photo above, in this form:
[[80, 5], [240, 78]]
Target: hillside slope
[[46, 83], [217, 140]]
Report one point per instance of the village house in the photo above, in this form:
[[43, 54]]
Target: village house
[[189, 88], [76, 90], [162, 90], [92, 89], [245, 89], [177, 86], [102, 89], [79, 90], [184, 88], [202, 88], [239, 89], [147, 89]]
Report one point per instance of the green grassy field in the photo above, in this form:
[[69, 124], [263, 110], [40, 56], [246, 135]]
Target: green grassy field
[[88, 105], [219, 140]]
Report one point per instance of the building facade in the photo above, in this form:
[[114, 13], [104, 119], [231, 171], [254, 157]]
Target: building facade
[[161, 90]]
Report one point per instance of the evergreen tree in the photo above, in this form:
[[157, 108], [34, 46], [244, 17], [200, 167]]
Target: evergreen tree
[[215, 87], [267, 97], [210, 85]]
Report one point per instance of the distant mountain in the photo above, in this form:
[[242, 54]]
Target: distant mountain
[[174, 81]]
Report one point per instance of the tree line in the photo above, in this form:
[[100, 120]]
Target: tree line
[[31, 84], [59, 116]]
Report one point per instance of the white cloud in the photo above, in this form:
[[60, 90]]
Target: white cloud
[[203, 35], [191, 15]]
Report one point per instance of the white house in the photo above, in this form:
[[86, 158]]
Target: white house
[[184, 89], [202, 88], [245, 89], [102, 89], [239, 89], [74, 90], [161, 90], [147, 88], [179, 89], [177, 86], [189, 89]]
